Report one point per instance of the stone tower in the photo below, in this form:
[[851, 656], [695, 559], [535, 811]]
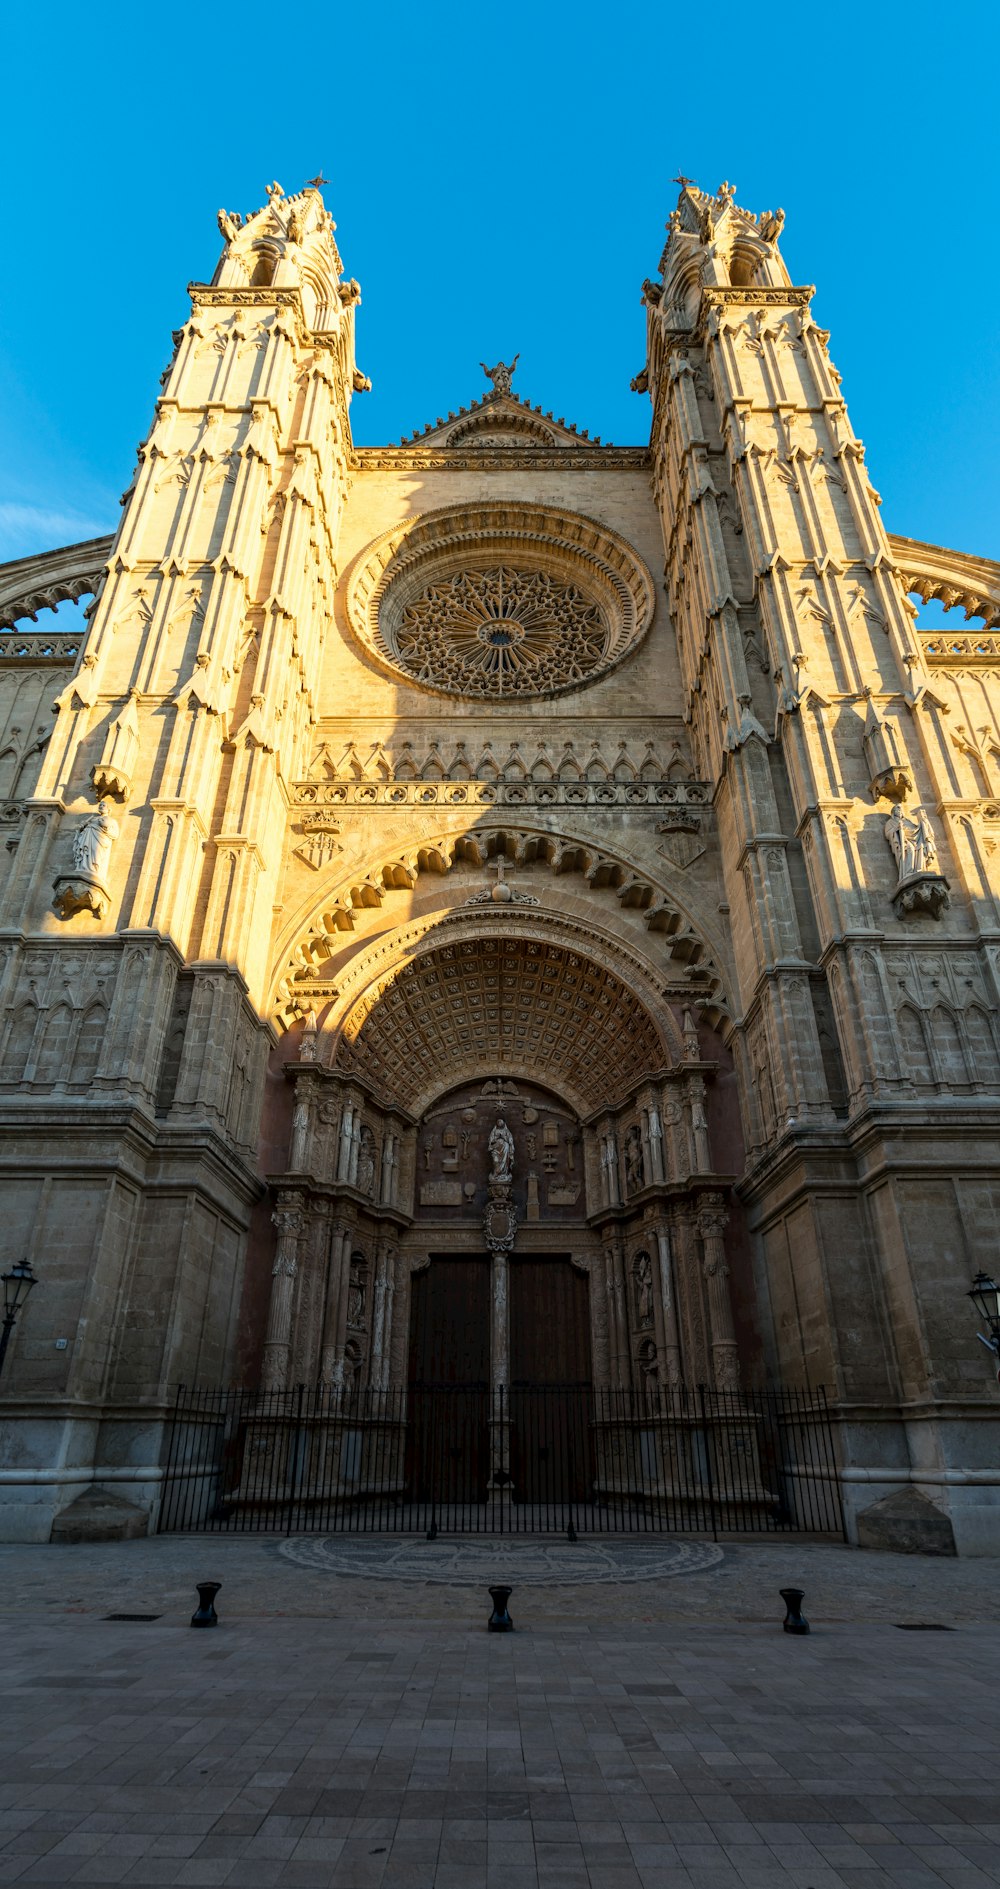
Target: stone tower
[[389, 795]]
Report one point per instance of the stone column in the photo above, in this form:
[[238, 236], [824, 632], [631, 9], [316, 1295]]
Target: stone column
[[290, 1224], [671, 1338], [308, 1312], [390, 1295], [617, 1314], [712, 1222], [382, 1266], [335, 1328]]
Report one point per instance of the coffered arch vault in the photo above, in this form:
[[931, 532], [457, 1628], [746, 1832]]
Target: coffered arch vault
[[518, 1002]]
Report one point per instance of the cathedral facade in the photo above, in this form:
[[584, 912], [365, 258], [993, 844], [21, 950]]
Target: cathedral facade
[[502, 898]]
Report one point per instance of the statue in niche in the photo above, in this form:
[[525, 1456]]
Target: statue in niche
[[643, 1271], [532, 1146], [92, 843], [633, 1160], [912, 841], [502, 374], [501, 1151], [356, 1298], [366, 1163]]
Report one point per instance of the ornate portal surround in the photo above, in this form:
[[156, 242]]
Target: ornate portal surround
[[502, 601]]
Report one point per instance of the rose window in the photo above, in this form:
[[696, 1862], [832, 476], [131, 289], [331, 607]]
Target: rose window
[[502, 632], [501, 601]]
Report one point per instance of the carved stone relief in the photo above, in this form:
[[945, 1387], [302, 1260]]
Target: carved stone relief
[[498, 1145]]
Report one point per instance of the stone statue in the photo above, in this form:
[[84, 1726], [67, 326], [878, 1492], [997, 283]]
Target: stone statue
[[502, 374], [92, 843], [644, 1288], [366, 1163], [633, 1160], [771, 223], [912, 841], [229, 224], [501, 1150]]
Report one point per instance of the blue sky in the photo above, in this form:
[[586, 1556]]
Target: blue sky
[[500, 181]]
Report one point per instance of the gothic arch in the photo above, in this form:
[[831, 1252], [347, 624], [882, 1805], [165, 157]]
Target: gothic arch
[[311, 939]]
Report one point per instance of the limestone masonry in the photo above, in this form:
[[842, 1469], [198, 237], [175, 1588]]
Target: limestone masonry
[[502, 779]]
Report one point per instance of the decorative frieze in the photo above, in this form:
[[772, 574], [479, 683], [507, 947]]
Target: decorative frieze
[[550, 792]]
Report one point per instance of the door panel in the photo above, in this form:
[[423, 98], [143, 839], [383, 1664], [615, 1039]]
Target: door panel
[[450, 1323], [550, 1436], [449, 1371], [549, 1322]]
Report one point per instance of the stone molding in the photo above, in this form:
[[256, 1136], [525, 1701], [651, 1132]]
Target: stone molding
[[955, 578], [45, 580], [502, 459], [296, 985]]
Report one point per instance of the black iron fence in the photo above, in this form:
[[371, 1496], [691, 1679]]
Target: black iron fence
[[469, 1459]]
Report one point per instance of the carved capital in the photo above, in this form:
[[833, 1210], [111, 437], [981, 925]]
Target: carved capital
[[712, 1223]]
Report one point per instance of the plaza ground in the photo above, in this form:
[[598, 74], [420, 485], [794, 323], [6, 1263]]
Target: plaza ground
[[350, 1722]]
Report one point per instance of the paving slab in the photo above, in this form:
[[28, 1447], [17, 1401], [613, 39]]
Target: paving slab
[[647, 1724]]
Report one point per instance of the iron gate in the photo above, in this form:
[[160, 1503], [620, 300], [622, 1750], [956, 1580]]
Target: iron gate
[[469, 1459]]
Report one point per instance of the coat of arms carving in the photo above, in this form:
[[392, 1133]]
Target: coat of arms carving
[[319, 839]]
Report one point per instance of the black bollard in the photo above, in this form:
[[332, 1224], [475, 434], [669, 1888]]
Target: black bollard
[[206, 1615], [500, 1620], [795, 1620]]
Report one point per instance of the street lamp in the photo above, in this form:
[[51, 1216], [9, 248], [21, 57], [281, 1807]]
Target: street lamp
[[985, 1296], [17, 1283]]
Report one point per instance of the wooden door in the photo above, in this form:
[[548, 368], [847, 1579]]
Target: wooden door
[[549, 1322], [550, 1377], [449, 1376]]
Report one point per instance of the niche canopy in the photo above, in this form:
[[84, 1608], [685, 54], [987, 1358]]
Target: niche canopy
[[501, 601]]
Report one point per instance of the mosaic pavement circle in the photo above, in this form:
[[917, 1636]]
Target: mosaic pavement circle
[[475, 1563]]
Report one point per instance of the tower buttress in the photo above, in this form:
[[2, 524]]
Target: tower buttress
[[209, 628]]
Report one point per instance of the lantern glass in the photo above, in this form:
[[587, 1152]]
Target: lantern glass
[[17, 1283], [985, 1296]]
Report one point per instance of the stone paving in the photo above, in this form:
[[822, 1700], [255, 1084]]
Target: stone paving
[[646, 1729]]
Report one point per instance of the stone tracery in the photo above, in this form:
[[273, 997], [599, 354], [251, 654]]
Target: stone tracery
[[502, 632], [572, 597]]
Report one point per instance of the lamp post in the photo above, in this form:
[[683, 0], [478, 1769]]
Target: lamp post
[[985, 1296], [17, 1283]]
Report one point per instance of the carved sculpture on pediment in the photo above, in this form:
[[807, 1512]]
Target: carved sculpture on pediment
[[85, 889], [502, 374], [501, 1151], [921, 890]]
